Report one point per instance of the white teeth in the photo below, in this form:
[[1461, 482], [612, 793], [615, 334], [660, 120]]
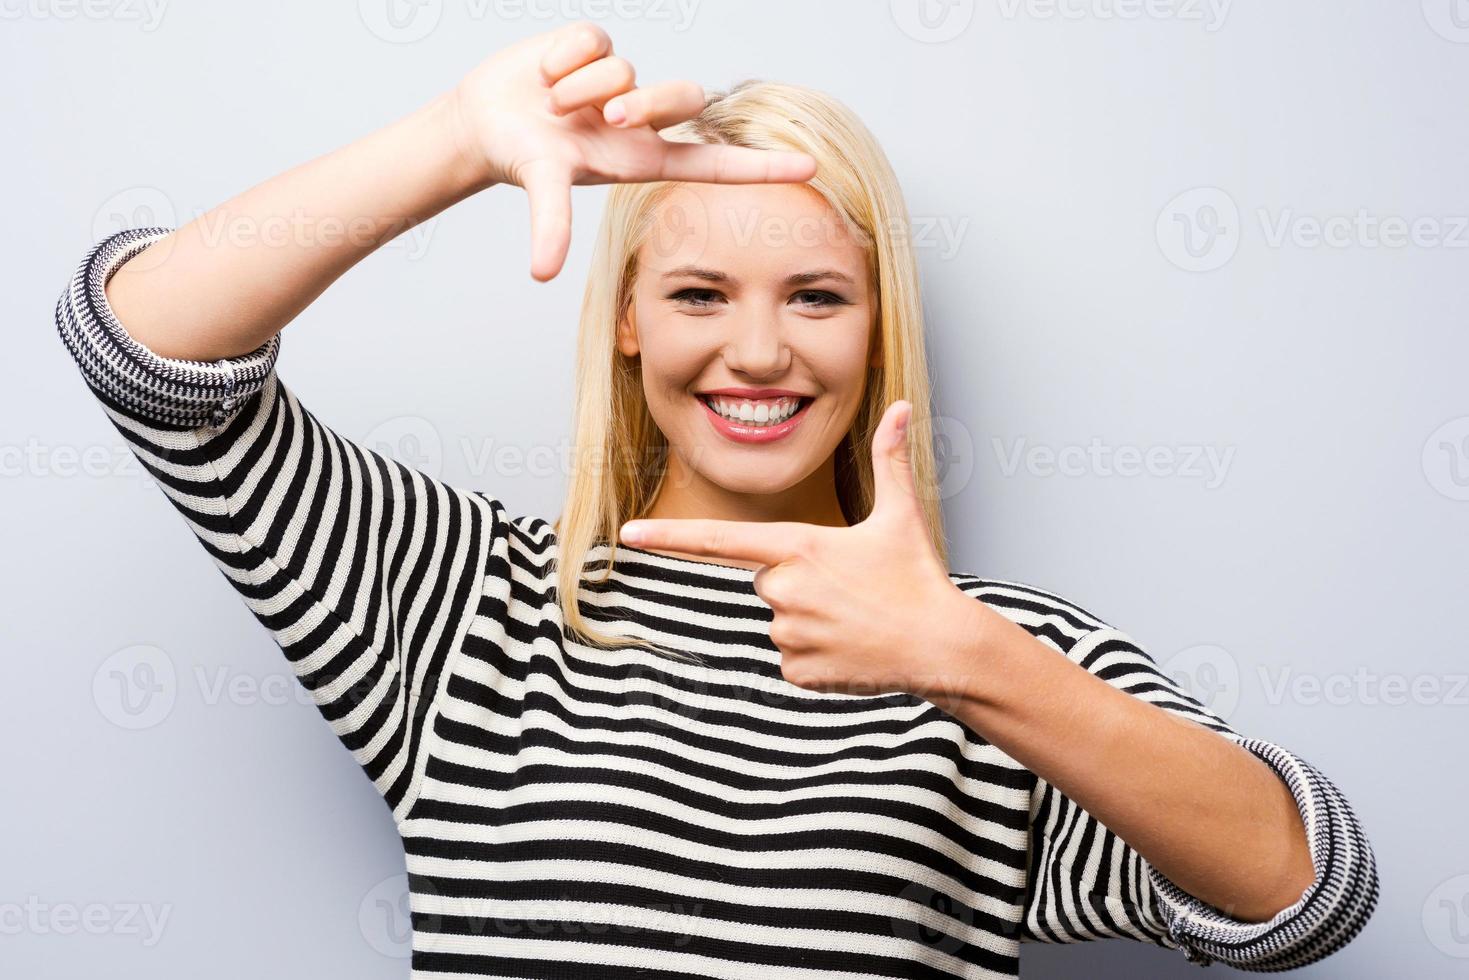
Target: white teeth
[[749, 413]]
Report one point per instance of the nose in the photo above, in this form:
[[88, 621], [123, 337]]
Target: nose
[[756, 347]]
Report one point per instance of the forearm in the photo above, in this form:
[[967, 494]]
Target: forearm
[[227, 281], [1203, 811]]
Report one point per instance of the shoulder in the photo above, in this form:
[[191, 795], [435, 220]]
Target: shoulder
[[1042, 612]]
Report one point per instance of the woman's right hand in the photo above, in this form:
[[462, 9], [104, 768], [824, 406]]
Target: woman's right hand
[[559, 108]]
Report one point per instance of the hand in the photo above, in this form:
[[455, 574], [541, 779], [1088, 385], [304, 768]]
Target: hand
[[558, 108], [865, 609]]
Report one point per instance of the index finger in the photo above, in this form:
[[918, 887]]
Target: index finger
[[768, 542], [710, 163]]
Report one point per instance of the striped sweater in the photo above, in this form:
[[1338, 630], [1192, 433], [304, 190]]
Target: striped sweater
[[568, 811]]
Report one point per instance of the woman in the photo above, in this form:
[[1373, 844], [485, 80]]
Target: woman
[[767, 732]]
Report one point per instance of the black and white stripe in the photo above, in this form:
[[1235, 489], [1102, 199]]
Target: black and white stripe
[[569, 811]]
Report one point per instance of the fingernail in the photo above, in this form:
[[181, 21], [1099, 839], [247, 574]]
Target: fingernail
[[616, 113], [632, 532]]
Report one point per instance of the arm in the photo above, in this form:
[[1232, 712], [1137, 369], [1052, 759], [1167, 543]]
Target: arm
[[366, 572], [1151, 818]]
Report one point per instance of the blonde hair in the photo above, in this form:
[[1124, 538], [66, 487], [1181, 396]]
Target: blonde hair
[[613, 427]]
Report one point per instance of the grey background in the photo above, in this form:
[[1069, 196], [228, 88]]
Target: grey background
[[1051, 143]]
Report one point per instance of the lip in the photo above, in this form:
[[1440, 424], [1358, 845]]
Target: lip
[[755, 393], [736, 432]]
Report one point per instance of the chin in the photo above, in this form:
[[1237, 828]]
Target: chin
[[741, 476]]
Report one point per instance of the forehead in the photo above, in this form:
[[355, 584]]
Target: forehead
[[750, 229]]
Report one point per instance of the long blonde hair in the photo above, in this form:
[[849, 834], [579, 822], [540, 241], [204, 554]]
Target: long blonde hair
[[621, 454]]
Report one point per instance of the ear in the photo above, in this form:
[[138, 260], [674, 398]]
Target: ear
[[627, 334]]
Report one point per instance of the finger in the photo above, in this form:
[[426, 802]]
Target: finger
[[592, 84], [573, 46], [549, 191], [659, 105], [768, 542], [720, 164], [894, 488]]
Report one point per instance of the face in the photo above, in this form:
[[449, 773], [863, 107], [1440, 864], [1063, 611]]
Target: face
[[755, 323]]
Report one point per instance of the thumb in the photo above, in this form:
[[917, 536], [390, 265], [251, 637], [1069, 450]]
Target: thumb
[[549, 190], [894, 488]]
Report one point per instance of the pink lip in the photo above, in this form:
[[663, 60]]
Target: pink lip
[[749, 433], [755, 392]]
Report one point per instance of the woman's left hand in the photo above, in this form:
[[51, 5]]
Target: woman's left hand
[[865, 609]]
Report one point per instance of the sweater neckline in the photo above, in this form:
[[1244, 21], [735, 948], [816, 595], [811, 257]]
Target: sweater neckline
[[742, 579]]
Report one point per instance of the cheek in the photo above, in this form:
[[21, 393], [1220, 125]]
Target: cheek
[[840, 365], [672, 361]]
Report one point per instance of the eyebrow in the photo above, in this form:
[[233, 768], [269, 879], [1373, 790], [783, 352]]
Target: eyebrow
[[797, 279]]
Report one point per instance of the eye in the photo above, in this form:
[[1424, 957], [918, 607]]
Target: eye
[[695, 296], [820, 297]]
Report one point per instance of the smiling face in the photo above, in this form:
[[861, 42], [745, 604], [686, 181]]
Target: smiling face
[[755, 326]]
